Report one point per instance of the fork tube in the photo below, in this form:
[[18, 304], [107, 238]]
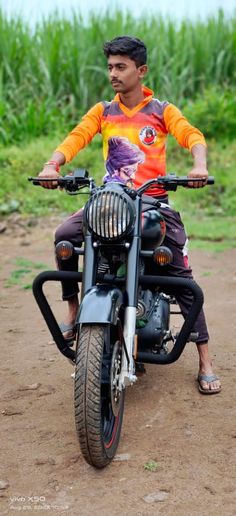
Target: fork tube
[[89, 271], [133, 260], [132, 279]]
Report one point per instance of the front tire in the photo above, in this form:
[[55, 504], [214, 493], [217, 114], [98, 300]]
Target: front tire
[[98, 421]]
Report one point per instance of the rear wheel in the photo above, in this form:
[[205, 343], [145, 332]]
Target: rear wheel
[[99, 404]]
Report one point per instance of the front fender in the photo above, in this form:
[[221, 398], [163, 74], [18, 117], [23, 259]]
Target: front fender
[[100, 304]]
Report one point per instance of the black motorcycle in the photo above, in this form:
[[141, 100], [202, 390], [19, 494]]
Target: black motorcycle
[[126, 304]]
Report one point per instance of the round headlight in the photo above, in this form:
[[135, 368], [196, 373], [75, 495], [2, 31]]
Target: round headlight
[[110, 213]]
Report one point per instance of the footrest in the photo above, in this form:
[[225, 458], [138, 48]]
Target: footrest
[[193, 336]]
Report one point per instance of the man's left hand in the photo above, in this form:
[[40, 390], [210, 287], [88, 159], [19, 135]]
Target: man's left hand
[[198, 172]]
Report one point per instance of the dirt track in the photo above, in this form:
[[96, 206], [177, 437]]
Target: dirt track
[[191, 437]]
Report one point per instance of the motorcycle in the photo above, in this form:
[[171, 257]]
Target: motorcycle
[[124, 319]]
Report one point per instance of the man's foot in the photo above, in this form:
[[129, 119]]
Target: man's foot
[[69, 332], [68, 327], [208, 384]]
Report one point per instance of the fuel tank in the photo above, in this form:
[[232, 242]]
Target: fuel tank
[[153, 229]]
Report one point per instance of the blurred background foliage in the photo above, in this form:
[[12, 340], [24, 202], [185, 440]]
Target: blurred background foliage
[[53, 73]]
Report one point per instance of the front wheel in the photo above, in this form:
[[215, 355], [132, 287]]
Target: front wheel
[[99, 405]]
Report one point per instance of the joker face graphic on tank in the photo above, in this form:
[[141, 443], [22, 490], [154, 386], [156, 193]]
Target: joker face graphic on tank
[[122, 160]]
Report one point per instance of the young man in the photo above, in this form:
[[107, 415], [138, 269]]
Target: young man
[[135, 115]]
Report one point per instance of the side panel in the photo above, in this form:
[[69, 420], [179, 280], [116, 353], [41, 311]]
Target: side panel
[[100, 304]]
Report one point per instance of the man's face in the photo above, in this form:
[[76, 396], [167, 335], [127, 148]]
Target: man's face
[[124, 75]]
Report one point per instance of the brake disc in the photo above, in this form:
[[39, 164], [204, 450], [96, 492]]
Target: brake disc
[[116, 362]]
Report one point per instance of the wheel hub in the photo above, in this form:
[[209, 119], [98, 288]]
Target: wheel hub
[[116, 362]]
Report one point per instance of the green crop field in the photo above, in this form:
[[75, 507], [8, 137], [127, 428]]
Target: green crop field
[[49, 76]]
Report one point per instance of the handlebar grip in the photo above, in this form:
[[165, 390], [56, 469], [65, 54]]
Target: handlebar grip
[[210, 180], [34, 180]]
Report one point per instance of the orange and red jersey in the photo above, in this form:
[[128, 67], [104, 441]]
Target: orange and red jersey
[[147, 126]]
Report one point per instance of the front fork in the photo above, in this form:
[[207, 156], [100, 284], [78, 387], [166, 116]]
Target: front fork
[[127, 375]]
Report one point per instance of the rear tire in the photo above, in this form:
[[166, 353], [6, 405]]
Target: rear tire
[[98, 427]]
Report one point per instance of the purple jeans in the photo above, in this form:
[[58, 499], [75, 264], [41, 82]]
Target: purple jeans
[[175, 239]]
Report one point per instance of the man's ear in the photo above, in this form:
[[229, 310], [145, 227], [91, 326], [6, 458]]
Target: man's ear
[[143, 69]]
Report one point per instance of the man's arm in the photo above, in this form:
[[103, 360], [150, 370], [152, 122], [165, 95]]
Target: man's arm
[[51, 169], [191, 138], [199, 169], [78, 138]]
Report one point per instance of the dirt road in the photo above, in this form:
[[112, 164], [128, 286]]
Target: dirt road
[[191, 438]]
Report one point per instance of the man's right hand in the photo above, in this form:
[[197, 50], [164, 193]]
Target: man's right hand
[[49, 171]]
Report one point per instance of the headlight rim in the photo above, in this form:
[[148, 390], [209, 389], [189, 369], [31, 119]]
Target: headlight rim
[[119, 198]]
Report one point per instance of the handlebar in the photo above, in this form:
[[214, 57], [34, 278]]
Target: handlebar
[[172, 179], [71, 183], [80, 179], [171, 182]]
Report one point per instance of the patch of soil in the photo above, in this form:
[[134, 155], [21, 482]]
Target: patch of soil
[[191, 437]]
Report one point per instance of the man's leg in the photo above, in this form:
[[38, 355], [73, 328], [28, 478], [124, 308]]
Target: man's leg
[[69, 320], [176, 239], [70, 230], [206, 377]]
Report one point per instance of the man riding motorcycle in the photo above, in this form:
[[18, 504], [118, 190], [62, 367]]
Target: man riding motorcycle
[[143, 121]]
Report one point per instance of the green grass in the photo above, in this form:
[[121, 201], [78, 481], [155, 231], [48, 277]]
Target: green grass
[[151, 465], [210, 246], [210, 233], [214, 201], [209, 214], [18, 163], [24, 271]]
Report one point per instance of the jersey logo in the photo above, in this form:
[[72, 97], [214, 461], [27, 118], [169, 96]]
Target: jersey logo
[[148, 135]]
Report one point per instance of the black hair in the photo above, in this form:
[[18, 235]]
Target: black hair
[[129, 46]]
